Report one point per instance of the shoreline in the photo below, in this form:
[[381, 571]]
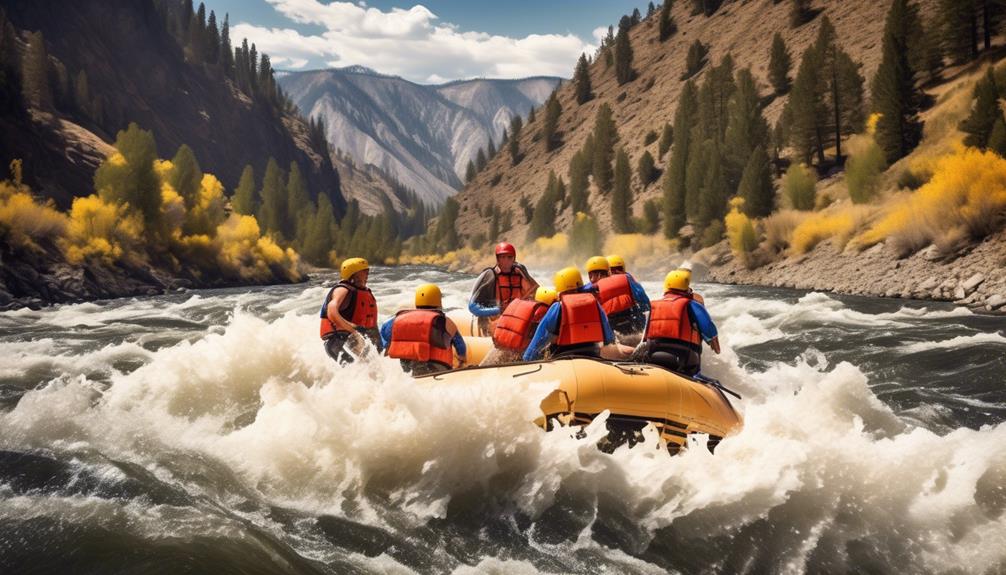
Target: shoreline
[[976, 279]]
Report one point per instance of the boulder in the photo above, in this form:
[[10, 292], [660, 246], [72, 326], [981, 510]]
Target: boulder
[[972, 283], [995, 302], [929, 285], [932, 253]]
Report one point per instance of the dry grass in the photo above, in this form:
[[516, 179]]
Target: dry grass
[[779, 230], [839, 224], [23, 221]]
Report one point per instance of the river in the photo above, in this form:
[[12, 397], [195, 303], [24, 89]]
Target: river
[[208, 432]]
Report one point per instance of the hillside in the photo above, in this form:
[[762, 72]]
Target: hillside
[[136, 72], [742, 29], [424, 136]]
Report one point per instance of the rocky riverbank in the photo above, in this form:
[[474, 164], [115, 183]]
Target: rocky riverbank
[[976, 278]]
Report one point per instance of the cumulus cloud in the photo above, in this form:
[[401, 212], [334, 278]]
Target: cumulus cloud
[[412, 43]]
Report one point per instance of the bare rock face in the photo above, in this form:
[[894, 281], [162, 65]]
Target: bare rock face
[[995, 302], [971, 284]]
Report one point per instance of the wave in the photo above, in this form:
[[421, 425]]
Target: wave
[[959, 342]]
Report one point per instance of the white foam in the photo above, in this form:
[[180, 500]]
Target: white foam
[[959, 342]]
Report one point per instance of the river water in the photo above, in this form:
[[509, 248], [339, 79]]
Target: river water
[[208, 432]]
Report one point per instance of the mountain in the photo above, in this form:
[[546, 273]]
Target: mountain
[[424, 136], [137, 72], [742, 29]]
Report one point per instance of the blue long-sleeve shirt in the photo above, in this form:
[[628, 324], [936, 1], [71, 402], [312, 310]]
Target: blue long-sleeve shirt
[[707, 329], [638, 293], [548, 330], [458, 342], [479, 310]]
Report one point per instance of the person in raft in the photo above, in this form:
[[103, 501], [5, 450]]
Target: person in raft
[[621, 297], [517, 326], [497, 286], [349, 312], [422, 338], [695, 295], [677, 327], [574, 325]]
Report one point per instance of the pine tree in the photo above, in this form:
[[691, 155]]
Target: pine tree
[[446, 231], [470, 172], [779, 65], [695, 177], [636, 17], [491, 153], [579, 172], [226, 51], [960, 29], [666, 23], [842, 86], [675, 177], [651, 217], [756, 185], [272, 212], [714, 99], [695, 59], [35, 75], [621, 197], [666, 139], [480, 161], [549, 127], [530, 116], [623, 53], [978, 125], [515, 127], [245, 200], [298, 204], [320, 237], [543, 217], [894, 94], [646, 169], [186, 177], [713, 198], [746, 127], [806, 111], [212, 39], [605, 136], [134, 182], [560, 193], [650, 9], [997, 139]]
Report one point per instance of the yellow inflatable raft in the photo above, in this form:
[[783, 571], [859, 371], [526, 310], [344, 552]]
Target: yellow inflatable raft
[[634, 394]]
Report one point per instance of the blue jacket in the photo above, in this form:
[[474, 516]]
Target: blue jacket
[[457, 341], [548, 330], [707, 329]]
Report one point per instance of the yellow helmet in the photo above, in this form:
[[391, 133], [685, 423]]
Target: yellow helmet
[[428, 296], [596, 264], [545, 295], [351, 266], [678, 280], [568, 279], [616, 261]]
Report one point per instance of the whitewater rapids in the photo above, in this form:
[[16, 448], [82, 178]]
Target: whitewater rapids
[[211, 433]]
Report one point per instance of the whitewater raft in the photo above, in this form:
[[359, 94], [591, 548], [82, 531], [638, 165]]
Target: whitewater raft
[[575, 390]]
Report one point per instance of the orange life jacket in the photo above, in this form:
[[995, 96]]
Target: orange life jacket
[[359, 307], [516, 326], [670, 321], [615, 293], [421, 335], [580, 321], [509, 286]]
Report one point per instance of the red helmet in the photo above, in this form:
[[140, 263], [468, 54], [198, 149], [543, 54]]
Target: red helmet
[[505, 248]]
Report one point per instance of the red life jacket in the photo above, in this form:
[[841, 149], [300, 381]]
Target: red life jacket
[[359, 307], [421, 335], [670, 321], [509, 286], [580, 320], [615, 293], [516, 326]]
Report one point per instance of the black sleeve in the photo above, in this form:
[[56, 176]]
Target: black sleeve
[[484, 292]]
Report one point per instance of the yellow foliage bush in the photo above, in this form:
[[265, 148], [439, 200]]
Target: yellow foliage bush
[[23, 221], [964, 201], [102, 231], [465, 258], [839, 225], [243, 252], [740, 231], [779, 229], [641, 252], [208, 213]]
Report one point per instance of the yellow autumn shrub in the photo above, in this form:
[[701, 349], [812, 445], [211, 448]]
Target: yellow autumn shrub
[[102, 231], [740, 231]]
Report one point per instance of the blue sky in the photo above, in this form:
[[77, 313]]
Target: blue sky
[[426, 42]]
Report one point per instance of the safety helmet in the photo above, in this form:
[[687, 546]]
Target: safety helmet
[[568, 279], [504, 248], [597, 264], [678, 280], [545, 295], [616, 261], [428, 295], [351, 266]]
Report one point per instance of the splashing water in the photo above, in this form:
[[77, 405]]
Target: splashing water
[[211, 433]]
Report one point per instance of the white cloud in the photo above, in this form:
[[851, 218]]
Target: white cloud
[[411, 43]]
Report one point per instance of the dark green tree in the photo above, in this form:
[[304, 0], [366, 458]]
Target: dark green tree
[[623, 53], [666, 23], [756, 185], [470, 172], [514, 143], [978, 125], [321, 234], [695, 177], [894, 94], [550, 125], [960, 29], [185, 176], [695, 59], [579, 173], [272, 211], [480, 161], [779, 65], [543, 217], [713, 198], [581, 80], [666, 139], [621, 197], [746, 127], [299, 208], [245, 200], [133, 183], [446, 231], [997, 139], [651, 217], [674, 185], [605, 136], [646, 169]]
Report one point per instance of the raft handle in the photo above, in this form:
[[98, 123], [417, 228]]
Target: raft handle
[[715, 383], [535, 370]]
